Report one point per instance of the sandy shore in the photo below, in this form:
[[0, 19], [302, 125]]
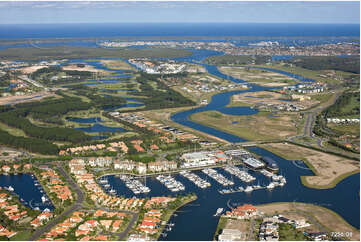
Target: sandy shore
[[329, 168]]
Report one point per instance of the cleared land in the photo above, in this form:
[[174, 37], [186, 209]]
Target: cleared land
[[266, 97], [75, 67], [261, 126], [163, 116], [116, 64], [329, 169], [326, 218], [25, 98], [261, 77]]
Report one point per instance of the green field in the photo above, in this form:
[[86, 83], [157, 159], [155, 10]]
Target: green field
[[251, 127]]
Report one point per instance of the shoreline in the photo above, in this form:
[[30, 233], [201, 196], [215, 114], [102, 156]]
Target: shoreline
[[304, 181]]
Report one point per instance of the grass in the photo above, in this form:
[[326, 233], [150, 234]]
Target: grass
[[247, 126], [352, 129], [71, 52], [221, 224], [288, 233], [332, 184], [12, 131], [117, 64], [21, 236]]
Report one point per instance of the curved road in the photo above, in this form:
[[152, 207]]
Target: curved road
[[76, 206], [310, 120]]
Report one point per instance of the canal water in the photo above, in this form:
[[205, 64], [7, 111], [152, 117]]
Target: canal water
[[24, 187]]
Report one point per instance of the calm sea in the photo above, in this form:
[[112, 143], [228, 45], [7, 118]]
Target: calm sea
[[174, 29]]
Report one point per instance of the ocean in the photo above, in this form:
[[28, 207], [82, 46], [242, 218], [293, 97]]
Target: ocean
[[19, 31]]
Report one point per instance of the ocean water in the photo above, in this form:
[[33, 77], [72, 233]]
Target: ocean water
[[11, 31]]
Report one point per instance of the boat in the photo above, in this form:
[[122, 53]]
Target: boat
[[106, 185], [10, 188], [112, 191], [219, 212], [270, 163], [43, 199], [271, 186], [248, 189]]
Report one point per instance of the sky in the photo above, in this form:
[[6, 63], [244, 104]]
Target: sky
[[32, 12]]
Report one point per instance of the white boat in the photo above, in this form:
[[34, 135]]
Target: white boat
[[271, 186], [10, 188], [112, 191], [248, 189], [219, 212], [43, 199]]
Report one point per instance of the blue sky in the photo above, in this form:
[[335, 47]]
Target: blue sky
[[125, 12]]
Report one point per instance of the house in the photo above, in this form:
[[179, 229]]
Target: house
[[6, 168], [141, 168]]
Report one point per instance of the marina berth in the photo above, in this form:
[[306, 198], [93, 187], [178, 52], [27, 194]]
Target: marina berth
[[172, 184], [134, 185], [218, 177], [195, 179], [241, 174]]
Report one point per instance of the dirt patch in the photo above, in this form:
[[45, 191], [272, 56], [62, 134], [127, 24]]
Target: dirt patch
[[31, 69], [327, 166], [273, 98], [82, 68], [25, 98], [241, 225]]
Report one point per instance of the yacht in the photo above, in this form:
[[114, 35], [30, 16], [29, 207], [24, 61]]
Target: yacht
[[219, 212], [271, 186], [10, 188], [248, 189], [44, 199]]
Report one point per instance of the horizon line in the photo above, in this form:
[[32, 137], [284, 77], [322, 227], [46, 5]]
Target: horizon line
[[174, 23]]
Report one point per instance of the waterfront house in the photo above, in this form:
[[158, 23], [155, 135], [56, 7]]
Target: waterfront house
[[6, 168], [141, 168]]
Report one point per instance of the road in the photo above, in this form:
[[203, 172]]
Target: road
[[35, 83], [310, 122], [76, 206]]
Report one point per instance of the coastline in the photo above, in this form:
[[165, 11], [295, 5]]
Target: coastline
[[331, 184]]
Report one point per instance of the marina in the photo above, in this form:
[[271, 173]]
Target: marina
[[218, 177], [28, 189], [171, 183], [241, 174], [134, 185], [195, 179]]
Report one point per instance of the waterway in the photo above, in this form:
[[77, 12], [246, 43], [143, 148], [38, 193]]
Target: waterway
[[24, 187]]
